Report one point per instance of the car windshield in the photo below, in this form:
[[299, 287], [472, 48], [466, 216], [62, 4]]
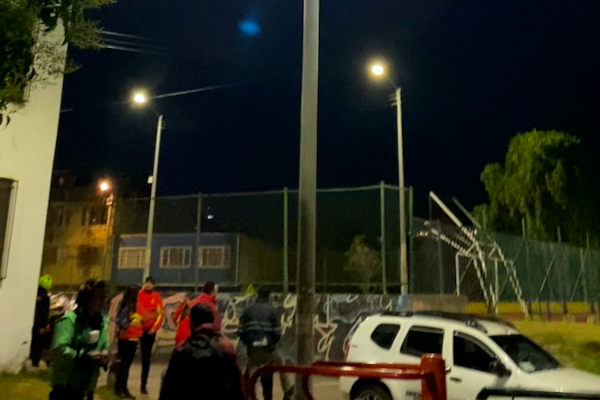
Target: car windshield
[[525, 353]]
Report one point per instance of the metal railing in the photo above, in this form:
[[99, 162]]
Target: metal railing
[[431, 372], [486, 393]]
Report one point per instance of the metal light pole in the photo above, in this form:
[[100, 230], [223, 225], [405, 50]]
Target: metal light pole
[[402, 196], [379, 70], [307, 208], [148, 254]]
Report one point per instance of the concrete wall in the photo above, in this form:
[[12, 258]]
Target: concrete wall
[[26, 155]]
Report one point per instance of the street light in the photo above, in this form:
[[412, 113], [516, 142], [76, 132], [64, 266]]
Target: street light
[[379, 70], [104, 186], [142, 98]]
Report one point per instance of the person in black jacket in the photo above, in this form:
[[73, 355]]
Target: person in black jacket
[[205, 367], [41, 323], [260, 332]]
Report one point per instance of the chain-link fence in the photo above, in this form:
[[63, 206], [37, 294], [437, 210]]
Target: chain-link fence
[[251, 238], [505, 273], [256, 237]]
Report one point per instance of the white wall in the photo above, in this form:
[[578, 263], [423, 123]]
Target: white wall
[[26, 155]]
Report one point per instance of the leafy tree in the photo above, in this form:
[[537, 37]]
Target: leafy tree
[[27, 54], [546, 182], [364, 262]]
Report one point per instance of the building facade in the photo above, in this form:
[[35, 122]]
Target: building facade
[[27, 146]]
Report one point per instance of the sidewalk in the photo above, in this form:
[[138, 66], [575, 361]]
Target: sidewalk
[[324, 388]]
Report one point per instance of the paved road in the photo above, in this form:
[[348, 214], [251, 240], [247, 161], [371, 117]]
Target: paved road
[[324, 388]]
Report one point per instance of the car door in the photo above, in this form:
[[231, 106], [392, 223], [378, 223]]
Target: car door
[[472, 367], [418, 340]]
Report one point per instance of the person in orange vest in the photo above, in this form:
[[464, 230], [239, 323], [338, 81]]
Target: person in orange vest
[[129, 324], [150, 308], [208, 297]]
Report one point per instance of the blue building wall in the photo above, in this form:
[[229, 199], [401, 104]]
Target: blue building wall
[[189, 276]]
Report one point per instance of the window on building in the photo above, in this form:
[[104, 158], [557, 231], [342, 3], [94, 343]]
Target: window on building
[[385, 334], [175, 257], [423, 340], [131, 257], [7, 199], [96, 215], [88, 256], [470, 353], [214, 257]]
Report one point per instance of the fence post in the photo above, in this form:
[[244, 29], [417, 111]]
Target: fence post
[[527, 271], [441, 266], [411, 254], [383, 243], [286, 244], [562, 273], [196, 262]]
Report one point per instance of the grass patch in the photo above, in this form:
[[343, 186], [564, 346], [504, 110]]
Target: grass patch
[[25, 386], [574, 344], [36, 386]]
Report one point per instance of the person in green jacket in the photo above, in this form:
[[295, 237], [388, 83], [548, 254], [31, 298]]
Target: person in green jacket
[[80, 345]]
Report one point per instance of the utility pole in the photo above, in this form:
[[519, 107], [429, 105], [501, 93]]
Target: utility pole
[[148, 254], [402, 197], [307, 204]]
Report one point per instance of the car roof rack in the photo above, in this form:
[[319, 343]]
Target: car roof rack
[[469, 319]]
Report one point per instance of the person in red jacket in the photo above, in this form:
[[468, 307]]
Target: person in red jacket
[[208, 297], [150, 308]]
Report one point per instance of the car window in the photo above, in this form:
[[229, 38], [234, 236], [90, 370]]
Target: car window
[[385, 334], [526, 354], [423, 340], [470, 353]]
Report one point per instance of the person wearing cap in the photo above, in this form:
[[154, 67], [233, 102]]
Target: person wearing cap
[[205, 365], [150, 308], [208, 297], [41, 322]]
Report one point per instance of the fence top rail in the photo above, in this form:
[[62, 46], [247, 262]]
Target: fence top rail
[[541, 394]]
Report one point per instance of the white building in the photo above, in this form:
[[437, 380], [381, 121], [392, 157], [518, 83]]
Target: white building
[[26, 156]]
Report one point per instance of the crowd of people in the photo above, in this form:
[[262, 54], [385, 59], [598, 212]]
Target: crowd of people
[[203, 358]]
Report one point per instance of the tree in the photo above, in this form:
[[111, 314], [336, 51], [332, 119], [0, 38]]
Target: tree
[[27, 54], [544, 181], [364, 262]]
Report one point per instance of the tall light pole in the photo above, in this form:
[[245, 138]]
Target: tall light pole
[[307, 204], [141, 98], [379, 70]]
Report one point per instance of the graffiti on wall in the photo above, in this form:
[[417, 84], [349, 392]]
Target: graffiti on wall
[[335, 319]]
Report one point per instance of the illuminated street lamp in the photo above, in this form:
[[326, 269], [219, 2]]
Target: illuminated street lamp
[[104, 186], [379, 70], [142, 98]]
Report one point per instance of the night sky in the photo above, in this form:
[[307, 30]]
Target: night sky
[[473, 74]]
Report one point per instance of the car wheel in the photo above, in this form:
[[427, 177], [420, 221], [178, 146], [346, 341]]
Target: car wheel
[[372, 392]]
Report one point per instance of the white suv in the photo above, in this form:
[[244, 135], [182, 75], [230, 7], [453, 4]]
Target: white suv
[[480, 352]]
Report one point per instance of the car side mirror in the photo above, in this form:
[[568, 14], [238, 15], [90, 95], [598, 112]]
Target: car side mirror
[[498, 368]]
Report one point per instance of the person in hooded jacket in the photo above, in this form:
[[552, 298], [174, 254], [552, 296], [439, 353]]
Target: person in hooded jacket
[[80, 345], [208, 297], [205, 366]]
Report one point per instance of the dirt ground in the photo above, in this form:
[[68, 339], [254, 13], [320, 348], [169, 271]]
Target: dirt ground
[[323, 388]]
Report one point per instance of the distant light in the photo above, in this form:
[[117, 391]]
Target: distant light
[[378, 69], [140, 98], [210, 216], [104, 186], [249, 27]]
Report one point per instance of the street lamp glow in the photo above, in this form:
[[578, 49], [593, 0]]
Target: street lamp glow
[[104, 186], [140, 98], [378, 70]]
